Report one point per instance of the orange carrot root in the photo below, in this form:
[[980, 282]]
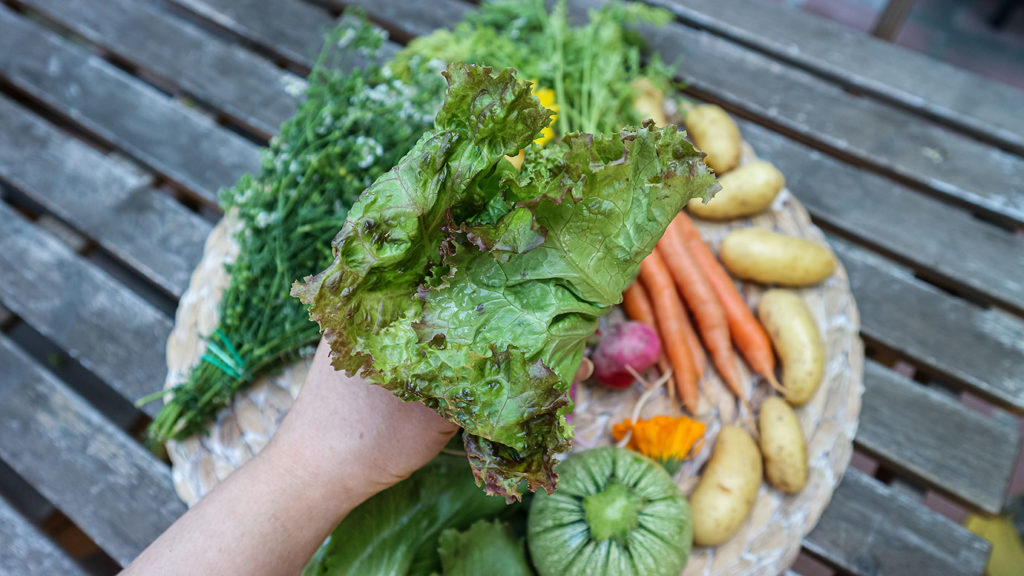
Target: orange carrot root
[[671, 320]]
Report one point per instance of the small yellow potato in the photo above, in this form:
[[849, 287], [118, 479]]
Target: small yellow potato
[[783, 446], [727, 490], [746, 191], [649, 101], [714, 132], [797, 341], [763, 256]]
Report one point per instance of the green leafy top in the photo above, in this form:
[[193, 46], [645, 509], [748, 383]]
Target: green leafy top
[[590, 67], [463, 284]]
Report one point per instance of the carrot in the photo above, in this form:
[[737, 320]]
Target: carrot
[[700, 359], [701, 300], [672, 323], [746, 332], [638, 304], [638, 307]]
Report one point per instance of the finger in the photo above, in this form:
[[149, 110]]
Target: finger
[[585, 370]]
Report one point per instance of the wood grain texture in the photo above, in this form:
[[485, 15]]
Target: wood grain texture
[[934, 438], [162, 133], [26, 550], [929, 235], [243, 86], [108, 329], [291, 28], [979, 349], [869, 530], [895, 141], [107, 199], [984, 107], [105, 482], [409, 19]]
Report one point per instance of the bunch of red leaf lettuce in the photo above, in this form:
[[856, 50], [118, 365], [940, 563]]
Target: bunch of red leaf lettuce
[[469, 286]]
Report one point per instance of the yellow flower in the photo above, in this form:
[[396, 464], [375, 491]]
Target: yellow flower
[[547, 100], [668, 439]]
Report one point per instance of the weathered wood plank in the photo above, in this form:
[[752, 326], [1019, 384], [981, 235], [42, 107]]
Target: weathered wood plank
[[178, 142], [292, 29], [929, 235], [869, 530], [969, 346], [106, 199], [108, 329], [981, 106], [26, 550], [934, 438], [410, 19], [243, 86], [891, 140], [105, 482]]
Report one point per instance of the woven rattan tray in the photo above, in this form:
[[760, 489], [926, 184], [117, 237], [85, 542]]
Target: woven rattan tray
[[769, 541]]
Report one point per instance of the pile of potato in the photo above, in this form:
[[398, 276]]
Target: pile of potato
[[725, 494]]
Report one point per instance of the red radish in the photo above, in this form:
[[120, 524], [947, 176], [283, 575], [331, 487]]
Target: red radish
[[632, 344]]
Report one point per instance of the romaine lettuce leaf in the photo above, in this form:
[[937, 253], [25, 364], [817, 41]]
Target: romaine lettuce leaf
[[470, 287], [396, 532], [487, 547]]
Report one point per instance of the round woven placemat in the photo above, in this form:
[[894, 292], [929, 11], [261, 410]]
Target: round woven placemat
[[769, 541]]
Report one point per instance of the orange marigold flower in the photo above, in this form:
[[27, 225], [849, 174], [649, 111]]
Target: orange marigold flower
[[668, 439]]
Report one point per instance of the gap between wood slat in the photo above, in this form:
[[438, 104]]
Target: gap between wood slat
[[27, 550]]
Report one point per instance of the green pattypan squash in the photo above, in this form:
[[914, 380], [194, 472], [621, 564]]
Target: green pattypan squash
[[615, 512]]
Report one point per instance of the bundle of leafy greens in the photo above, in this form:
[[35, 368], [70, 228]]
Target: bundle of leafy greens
[[463, 284], [350, 129], [587, 71]]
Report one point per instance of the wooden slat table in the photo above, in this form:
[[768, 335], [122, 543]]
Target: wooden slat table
[[122, 118]]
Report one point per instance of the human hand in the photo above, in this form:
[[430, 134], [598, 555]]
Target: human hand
[[356, 436]]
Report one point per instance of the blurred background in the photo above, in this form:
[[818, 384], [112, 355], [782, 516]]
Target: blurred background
[[983, 36]]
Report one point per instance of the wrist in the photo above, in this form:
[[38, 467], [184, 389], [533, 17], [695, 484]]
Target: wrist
[[314, 476]]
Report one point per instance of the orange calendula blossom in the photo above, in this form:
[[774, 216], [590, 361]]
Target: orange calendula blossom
[[667, 439]]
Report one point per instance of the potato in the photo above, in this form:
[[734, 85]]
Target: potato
[[745, 191], [725, 494], [714, 132], [649, 100], [783, 446], [796, 338], [763, 256]]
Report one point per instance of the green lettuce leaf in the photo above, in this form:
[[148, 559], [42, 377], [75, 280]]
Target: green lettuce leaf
[[396, 532], [470, 287], [487, 547]]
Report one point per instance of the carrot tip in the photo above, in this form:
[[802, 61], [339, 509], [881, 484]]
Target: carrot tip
[[774, 383]]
